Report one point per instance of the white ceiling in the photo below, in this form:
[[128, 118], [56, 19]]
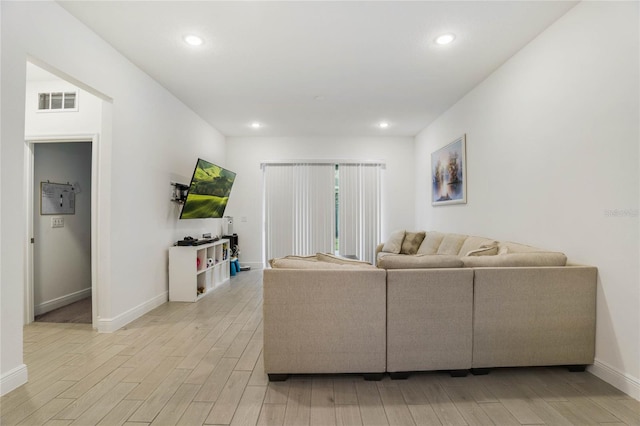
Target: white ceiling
[[269, 61]]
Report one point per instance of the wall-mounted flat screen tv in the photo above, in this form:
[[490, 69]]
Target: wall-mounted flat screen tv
[[208, 191]]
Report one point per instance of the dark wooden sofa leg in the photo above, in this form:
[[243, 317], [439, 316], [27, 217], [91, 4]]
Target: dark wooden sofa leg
[[577, 368], [458, 373], [373, 377], [480, 371], [278, 377], [400, 375]]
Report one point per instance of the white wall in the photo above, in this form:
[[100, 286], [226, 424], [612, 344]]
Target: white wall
[[62, 256], [153, 139], [12, 370], [552, 152], [244, 156], [87, 120]]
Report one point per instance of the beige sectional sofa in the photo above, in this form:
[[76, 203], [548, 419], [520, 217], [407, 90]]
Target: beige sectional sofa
[[434, 302]]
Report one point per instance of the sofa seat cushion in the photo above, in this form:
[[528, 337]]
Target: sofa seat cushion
[[404, 261], [297, 263], [543, 258], [384, 254]]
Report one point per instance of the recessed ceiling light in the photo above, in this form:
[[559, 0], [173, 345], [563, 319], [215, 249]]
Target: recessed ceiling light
[[193, 40], [256, 125], [445, 38], [383, 124]]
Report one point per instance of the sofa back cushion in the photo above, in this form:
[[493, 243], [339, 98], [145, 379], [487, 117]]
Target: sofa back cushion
[[431, 242], [412, 242], [394, 243], [451, 244], [488, 250], [509, 247], [477, 243], [401, 261]]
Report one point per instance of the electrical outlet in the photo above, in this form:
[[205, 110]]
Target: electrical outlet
[[57, 222]]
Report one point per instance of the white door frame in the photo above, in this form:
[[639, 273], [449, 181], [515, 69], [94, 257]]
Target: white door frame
[[30, 141]]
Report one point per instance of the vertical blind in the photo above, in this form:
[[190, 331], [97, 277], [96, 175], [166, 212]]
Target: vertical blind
[[359, 210], [300, 210]]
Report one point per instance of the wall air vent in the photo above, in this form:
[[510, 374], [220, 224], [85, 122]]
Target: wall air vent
[[58, 101]]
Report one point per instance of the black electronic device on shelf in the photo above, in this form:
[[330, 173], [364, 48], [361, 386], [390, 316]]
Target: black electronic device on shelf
[[233, 243], [233, 239], [190, 241]]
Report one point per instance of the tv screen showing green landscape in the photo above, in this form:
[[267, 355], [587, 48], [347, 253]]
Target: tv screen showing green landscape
[[208, 192]]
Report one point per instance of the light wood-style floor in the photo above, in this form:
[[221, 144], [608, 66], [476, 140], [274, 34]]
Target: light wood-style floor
[[200, 363]]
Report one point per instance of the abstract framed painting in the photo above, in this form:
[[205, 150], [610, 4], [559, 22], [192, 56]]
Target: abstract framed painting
[[449, 173]]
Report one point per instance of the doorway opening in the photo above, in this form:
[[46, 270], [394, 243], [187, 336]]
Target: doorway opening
[[61, 235], [64, 152], [61, 258]]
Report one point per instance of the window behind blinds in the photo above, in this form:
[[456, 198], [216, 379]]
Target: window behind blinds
[[359, 211], [299, 209]]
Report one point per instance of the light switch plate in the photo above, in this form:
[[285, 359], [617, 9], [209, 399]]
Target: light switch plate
[[57, 222]]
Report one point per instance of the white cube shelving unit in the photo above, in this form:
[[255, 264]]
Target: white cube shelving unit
[[190, 277]]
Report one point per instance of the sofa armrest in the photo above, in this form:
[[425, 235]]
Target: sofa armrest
[[534, 316], [378, 251]]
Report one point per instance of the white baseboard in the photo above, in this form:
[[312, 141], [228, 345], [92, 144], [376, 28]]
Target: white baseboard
[[109, 325], [623, 381], [59, 302], [13, 379]]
